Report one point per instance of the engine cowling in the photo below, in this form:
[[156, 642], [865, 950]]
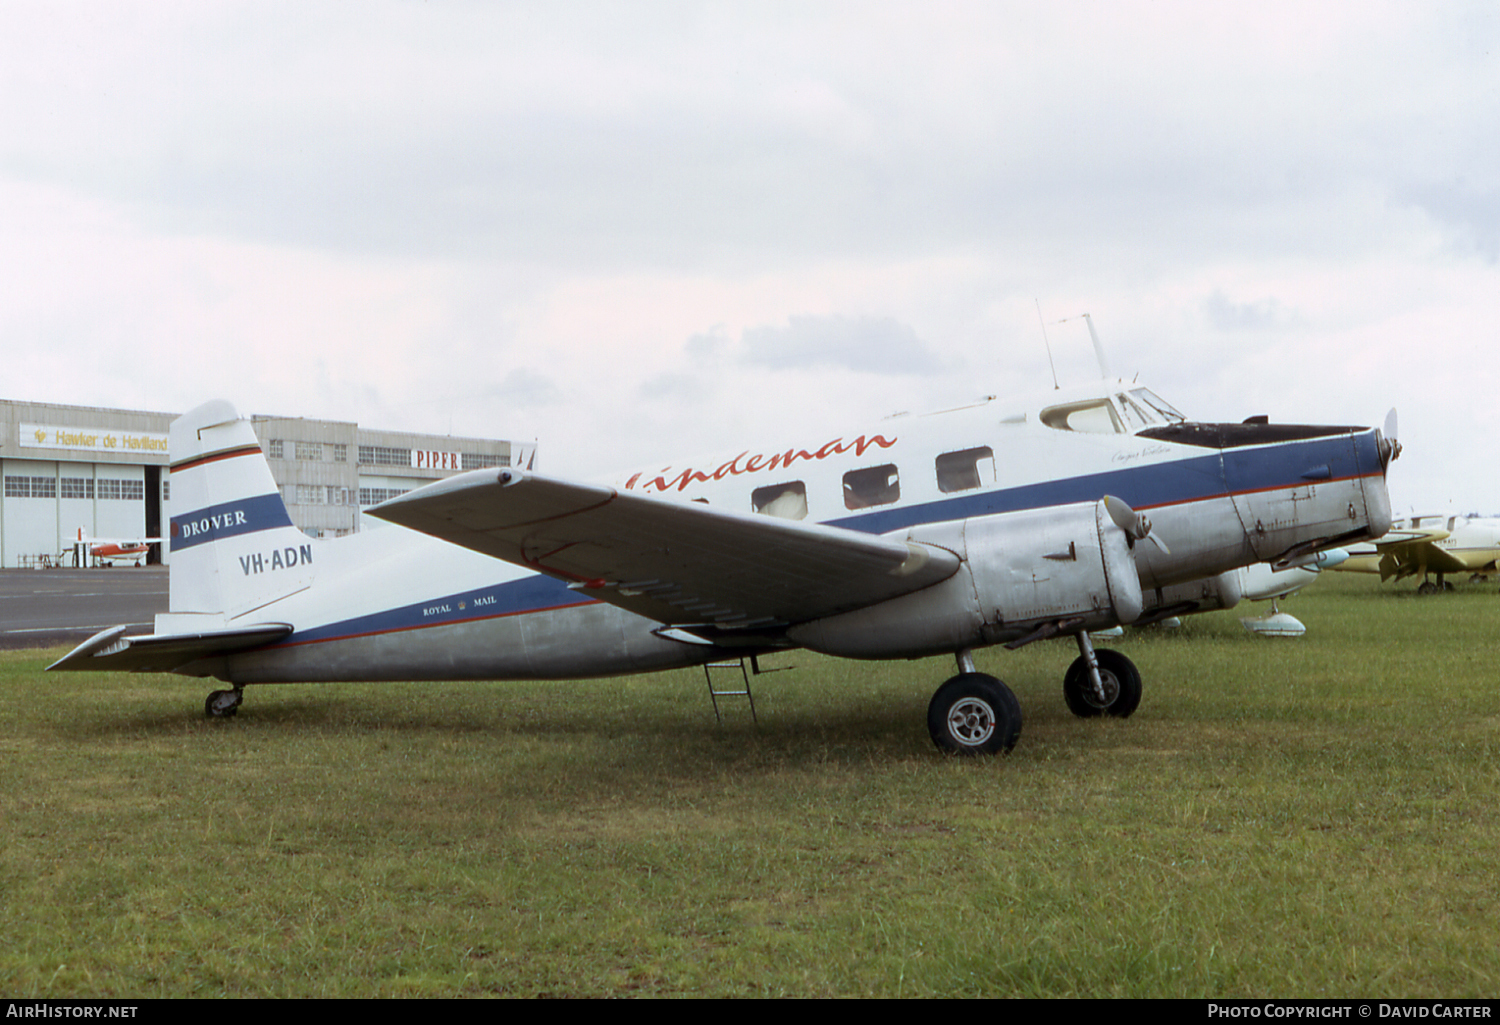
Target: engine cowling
[[1068, 566], [1209, 594]]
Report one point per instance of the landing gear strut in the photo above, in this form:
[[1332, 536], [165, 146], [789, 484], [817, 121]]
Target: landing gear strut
[[974, 713], [1102, 682], [222, 704]]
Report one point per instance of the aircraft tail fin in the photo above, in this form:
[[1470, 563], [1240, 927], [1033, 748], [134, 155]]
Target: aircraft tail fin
[[234, 548]]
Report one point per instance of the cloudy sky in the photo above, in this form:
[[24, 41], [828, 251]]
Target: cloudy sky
[[630, 230]]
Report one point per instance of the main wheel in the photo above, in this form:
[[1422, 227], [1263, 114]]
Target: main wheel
[[974, 714], [1121, 680], [222, 704]]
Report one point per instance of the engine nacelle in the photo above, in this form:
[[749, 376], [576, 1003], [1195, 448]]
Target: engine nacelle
[[1069, 566], [1210, 594]]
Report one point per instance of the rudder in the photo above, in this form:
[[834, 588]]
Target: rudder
[[233, 545]]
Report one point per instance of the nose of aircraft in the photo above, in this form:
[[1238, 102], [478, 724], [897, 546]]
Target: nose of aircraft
[[1301, 488]]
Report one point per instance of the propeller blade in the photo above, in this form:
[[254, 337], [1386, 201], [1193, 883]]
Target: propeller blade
[[1125, 517], [1135, 525], [1390, 446]]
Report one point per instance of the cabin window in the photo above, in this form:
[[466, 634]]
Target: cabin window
[[788, 501], [1095, 416], [962, 471], [874, 485]]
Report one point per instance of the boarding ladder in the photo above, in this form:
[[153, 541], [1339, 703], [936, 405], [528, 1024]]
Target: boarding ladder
[[732, 687]]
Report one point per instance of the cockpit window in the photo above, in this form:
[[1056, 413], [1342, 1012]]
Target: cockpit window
[[1135, 416], [1096, 416], [1164, 409]]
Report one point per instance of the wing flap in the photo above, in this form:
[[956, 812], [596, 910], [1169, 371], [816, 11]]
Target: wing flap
[[680, 563], [110, 650]]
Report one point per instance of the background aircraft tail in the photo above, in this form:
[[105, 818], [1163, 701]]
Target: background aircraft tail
[[234, 549]]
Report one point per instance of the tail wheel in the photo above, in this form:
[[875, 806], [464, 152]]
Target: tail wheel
[[1122, 686], [222, 704], [974, 714]]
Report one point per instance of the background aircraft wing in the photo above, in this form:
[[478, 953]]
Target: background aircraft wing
[[681, 563], [1410, 550]]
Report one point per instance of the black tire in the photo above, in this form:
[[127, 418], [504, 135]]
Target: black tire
[[222, 704], [1122, 686], [973, 714]]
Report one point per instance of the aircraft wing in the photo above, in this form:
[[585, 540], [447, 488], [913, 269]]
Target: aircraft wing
[[681, 563], [1405, 551]]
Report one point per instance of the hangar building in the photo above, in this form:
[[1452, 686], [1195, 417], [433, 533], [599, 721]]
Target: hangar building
[[106, 471]]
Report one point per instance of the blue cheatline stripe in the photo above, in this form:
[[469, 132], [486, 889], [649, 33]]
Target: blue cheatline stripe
[[1230, 472], [514, 597], [228, 519], [1143, 487]]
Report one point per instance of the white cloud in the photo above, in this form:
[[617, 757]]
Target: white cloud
[[631, 228]]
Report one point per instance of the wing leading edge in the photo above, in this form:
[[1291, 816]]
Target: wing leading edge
[[680, 563]]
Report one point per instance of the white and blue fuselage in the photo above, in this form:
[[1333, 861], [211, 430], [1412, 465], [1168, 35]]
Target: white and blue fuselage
[[920, 535]]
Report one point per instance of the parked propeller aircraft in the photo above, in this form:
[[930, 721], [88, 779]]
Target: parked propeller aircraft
[[1432, 545], [1263, 582], [924, 535], [112, 551]]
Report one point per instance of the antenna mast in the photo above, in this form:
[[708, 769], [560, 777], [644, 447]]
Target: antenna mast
[[1098, 346], [1098, 349], [1048, 343]]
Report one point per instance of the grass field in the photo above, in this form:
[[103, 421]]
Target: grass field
[[1316, 817]]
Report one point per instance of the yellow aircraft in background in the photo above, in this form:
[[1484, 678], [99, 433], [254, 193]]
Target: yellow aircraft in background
[[1432, 545]]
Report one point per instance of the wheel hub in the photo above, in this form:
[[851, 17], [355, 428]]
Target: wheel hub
[[971, 722], [1107, 683]]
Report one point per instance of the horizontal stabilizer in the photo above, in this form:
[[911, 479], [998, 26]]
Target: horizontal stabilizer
[[111, 651]]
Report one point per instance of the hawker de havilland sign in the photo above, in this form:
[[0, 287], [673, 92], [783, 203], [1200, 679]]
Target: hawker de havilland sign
[[929, 535]]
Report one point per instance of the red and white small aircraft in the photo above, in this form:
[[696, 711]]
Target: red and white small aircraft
[[112, 551]]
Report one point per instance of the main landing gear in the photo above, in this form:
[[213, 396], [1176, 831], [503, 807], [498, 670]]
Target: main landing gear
[[1101, 682], [974, 713], [222, 704]]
